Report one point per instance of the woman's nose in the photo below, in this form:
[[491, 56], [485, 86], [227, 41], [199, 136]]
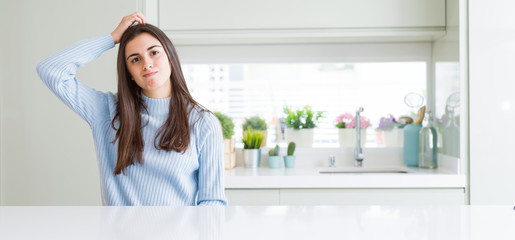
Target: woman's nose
[[147, 64]]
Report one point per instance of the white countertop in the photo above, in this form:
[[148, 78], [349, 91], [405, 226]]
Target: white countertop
[[248, 178], [310, 160], [244, 222]]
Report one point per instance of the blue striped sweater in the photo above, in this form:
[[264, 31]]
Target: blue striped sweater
[[165, 178]]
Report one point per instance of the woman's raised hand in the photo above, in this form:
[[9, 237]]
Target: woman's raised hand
[[126, 22]]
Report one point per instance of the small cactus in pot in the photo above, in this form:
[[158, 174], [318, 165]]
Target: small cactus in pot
[[274, 160], [289, 160]]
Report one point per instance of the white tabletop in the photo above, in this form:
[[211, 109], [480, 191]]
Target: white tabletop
[[281, 222]]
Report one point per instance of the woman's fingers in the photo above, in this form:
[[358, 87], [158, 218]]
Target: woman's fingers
[[139, 20], [137, 17], [133, 18], [141, 17], [126, 22]]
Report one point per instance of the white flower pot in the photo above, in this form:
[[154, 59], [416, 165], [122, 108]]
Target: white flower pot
[[301, 137], [394, 138], [347, 137], [252, 157]]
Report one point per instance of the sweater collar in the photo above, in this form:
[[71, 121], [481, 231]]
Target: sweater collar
[[157, 105]]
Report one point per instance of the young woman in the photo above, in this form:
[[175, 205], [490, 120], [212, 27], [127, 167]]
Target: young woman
[[155, 144]]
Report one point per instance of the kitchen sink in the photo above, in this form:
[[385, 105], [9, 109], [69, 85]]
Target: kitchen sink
[[365, 170]]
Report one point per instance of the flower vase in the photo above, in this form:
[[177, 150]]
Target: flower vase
[[347, 137], [301, 137], [394, 137]]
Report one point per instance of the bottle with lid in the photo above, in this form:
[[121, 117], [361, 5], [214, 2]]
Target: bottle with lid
[[451, 136], [428, 144]]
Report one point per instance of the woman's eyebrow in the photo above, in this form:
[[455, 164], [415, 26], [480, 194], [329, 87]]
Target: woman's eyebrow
[[148, 49], [153, 47]]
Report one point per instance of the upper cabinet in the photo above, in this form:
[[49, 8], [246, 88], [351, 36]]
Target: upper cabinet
[[275, 21]]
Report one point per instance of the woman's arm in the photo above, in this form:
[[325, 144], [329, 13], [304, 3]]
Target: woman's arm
[[58, 72], [211, 162]]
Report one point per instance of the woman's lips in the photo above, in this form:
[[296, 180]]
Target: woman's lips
[[150, 74]]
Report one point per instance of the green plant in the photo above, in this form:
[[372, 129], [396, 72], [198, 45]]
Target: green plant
[[255, 123], [252, 139], [291, 148], [302, 118], [227, 124], [274, 151]]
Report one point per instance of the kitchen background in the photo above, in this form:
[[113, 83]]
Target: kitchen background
[[47, 154]]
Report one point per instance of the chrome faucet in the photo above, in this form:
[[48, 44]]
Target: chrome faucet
[[332, 161], [358, 151]]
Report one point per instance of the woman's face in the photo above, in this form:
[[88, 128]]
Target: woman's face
[[148, 65]]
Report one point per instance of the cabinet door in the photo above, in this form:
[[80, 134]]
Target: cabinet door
[[371, 196], [245, 197], [201, 15]]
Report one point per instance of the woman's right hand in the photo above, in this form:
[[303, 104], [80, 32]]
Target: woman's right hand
[[126, 22]]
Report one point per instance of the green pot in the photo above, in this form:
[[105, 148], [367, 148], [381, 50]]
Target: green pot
[[274, 161], [289, 161]]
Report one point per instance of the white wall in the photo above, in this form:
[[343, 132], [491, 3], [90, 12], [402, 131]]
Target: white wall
[[492, 101], [47, 151]]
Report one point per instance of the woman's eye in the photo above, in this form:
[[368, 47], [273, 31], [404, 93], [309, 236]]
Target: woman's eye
[[134, 60], [154, 52]]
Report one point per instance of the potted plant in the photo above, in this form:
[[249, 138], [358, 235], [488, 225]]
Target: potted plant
[[228, 132], [300, 125], [289, 160], [392, 131], [274, 160], [346, 130], [256, 123], [252, 140]]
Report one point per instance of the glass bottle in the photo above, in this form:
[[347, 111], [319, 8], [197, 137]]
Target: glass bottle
[[451, 136], [428, 144], [411, 144]]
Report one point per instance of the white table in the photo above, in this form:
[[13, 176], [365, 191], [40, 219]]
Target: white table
[[281, 222]]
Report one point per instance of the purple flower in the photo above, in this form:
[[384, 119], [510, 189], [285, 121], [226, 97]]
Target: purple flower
[[387, 123]]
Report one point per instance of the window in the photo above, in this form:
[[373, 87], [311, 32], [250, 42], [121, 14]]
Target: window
[[243, 90]]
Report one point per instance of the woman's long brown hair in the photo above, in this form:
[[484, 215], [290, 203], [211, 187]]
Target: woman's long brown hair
[[175, 132]]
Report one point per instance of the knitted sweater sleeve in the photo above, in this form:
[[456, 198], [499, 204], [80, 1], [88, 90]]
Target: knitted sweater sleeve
[[58, 73], [211, 164]]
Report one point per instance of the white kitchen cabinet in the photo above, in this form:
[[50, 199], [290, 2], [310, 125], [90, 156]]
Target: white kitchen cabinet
[[364, 196], [260, 197], [240, 21], [292, 14], [371, 196]]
